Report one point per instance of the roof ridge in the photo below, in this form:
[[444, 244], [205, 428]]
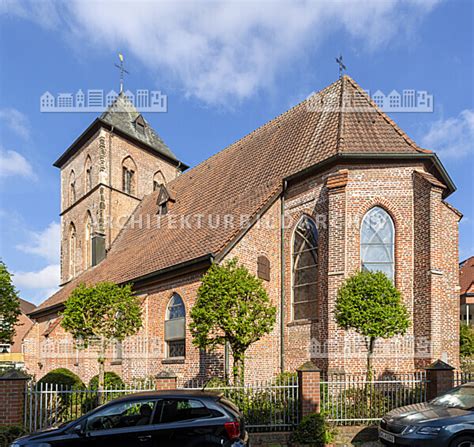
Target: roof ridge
[[387, 119]]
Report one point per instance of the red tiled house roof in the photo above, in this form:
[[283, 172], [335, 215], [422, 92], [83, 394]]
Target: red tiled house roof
[[242, 179]]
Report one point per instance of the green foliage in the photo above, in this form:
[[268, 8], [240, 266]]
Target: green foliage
[[232, 306], [112, 381], [63, 376], [105, 310], [8, 433], [466, 341], [313, 430], [370, 304], [285, 378], [9, 305]]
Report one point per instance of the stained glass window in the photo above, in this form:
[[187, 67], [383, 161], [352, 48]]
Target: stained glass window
[[377, 241], [305, 269]]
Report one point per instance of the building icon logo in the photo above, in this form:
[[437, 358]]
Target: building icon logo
[[409, 100], [95, 100]]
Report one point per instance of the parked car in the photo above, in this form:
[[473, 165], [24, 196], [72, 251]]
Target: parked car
[[447, 421], [151, 419]]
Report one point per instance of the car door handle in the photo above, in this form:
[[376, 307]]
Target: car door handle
[[144, 438]]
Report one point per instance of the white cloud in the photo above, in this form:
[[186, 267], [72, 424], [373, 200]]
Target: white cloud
[[222, 52], [47, 278], [14, 164], [45, 243], [16, 121], [452, 137]]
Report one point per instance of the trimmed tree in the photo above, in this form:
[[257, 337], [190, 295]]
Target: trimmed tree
[[105, 313], [232, 307], [466, 347], [9, 306], [370, 304]]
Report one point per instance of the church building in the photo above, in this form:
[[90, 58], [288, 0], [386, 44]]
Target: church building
[[327, 188]]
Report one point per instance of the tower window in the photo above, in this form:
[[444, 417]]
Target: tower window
[[128, 180], [72, 188], [129, 183], [88, 174], [72, 251]]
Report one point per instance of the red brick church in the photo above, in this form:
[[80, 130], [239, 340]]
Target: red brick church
[[329, 187]]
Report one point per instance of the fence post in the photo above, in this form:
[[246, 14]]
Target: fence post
[[440, 377], [166, 380], [12, 390], [309, 385]]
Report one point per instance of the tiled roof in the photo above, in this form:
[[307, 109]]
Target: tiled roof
[[241, 179], [466, 276], [26, 307], [122, 115]]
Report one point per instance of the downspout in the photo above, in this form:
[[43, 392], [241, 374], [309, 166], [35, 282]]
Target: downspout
[[282, 277]]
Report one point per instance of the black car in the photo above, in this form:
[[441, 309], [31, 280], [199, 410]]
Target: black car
[[151, 419], [447, 421]]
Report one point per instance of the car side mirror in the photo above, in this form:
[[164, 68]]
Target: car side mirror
[[77, 430]]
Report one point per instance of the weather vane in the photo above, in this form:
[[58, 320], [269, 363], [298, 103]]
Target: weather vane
[[122, 71], [342, 67]]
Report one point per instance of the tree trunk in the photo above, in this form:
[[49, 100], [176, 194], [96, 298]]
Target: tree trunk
[[370, 353], [101, 360], [238, 369]]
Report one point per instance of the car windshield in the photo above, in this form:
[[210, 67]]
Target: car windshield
[[461, 397]]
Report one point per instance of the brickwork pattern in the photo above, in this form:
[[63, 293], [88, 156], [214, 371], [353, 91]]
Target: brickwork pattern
[[12, 392]]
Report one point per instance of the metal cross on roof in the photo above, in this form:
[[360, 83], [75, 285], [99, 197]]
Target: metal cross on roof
[[342, 67], [122, 71]]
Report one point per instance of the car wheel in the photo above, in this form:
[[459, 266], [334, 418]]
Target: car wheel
[[463, 441]]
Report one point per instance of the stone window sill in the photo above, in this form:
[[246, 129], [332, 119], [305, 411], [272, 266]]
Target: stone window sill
[[302, 322], [173, 360], [116, 362]]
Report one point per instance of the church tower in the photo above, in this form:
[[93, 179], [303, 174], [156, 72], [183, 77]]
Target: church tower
[[105, 173]]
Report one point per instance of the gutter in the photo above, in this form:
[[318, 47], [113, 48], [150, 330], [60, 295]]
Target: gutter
[[347, 157], [143, 281]]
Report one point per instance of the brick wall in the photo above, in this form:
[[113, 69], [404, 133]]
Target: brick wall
[[107, 204], [12, 392], [426, 275]]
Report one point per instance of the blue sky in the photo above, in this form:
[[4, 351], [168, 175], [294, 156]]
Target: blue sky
[[226, 68]]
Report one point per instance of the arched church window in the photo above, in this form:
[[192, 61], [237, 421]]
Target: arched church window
[[72, 250], [175, 327], [158, 180], [129, 174], [88, 241], [305, 269], [88, 174], [377, 242], [72, 188]]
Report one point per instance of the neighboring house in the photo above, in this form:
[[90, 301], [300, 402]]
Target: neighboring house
[[466, 281], [12, 355], [303, 202]]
